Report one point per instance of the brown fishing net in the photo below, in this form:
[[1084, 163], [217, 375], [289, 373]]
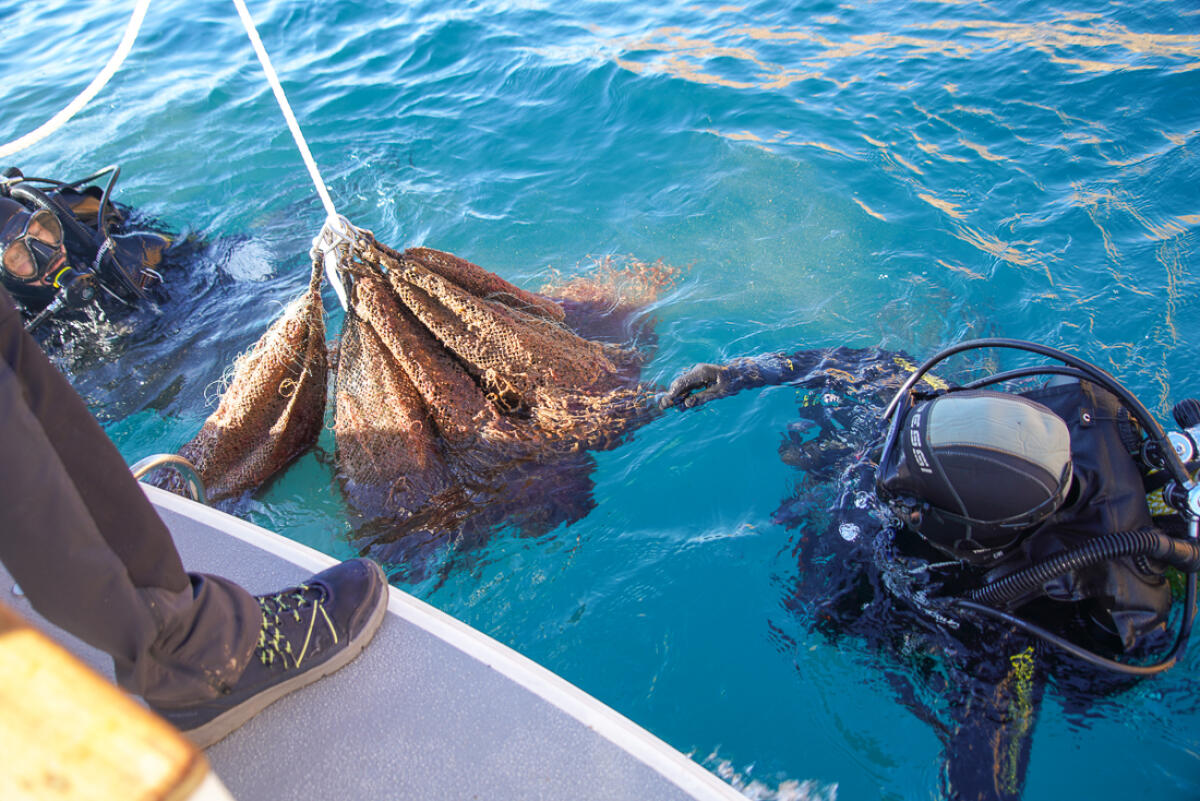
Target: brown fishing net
[[462, 402], [454, 384], [274, 406]]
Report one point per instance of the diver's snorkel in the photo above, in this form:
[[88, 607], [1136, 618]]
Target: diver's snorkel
[[1167, 453]]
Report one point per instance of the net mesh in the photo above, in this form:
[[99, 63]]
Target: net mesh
[[462, 402], [451, 380], [274, 406]]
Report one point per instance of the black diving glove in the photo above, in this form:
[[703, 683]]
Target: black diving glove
[[701, 384], [706, 382]]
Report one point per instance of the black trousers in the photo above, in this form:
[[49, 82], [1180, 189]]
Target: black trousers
[[88, 549]]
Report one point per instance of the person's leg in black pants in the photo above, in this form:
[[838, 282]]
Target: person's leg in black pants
[[88, 549], [94, 558]]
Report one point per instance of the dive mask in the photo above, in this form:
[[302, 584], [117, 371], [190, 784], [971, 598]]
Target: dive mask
[[33, 249]]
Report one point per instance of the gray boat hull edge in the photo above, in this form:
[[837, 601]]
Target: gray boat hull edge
[[433, 709]]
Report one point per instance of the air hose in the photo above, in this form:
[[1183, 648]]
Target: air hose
[[1161, 666], [51, 309], [1151, 542]]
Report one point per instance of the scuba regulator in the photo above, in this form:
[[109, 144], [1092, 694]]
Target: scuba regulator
[[1042, 494]]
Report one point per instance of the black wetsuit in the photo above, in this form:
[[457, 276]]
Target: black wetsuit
[[863, 574]]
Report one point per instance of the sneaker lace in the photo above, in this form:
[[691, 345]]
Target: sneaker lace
[[293, 603]]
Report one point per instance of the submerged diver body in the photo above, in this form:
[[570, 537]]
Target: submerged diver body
[[976, 509], [67, 247]]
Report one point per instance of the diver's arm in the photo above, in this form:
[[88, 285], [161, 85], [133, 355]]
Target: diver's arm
[[707, 382], [988, 742]]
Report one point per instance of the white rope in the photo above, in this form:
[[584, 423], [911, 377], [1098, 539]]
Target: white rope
[[60, 119], [333, 221]]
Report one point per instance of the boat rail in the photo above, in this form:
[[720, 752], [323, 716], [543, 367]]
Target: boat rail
[[187, 471]]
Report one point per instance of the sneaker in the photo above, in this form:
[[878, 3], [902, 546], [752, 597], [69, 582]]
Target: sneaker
[[308, 631]]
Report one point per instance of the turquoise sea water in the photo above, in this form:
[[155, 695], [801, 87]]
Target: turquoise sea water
[[901, 173]]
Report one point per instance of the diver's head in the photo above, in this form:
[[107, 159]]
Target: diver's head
[[973, 470], [32, 243]]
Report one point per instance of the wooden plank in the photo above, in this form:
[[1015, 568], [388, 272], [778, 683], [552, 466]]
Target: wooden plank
[[66, 733]]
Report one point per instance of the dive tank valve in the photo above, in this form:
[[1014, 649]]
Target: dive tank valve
[[1187, 415], [1183, 445], [1186, 444]]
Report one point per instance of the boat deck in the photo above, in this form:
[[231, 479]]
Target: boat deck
[[432, 708]]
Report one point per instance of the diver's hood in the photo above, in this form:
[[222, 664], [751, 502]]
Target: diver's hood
[[13, 217], [979, 469]]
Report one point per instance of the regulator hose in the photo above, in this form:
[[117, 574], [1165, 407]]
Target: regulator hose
[[45, 314], [1182, 554], [101, 219], [1161, 666]]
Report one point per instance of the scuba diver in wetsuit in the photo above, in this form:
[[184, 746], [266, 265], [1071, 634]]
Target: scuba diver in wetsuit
[[67, 247], [984, 539]]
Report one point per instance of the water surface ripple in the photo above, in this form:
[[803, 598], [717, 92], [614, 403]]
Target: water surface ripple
[[906, 173]]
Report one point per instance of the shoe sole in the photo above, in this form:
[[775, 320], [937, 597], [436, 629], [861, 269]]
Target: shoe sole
[[227, 722]]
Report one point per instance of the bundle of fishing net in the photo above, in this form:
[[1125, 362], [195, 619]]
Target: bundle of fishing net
[[274, 405], [462, 402]]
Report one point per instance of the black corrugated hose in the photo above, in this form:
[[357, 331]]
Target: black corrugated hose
[[1150, 542], [1182, 554]]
